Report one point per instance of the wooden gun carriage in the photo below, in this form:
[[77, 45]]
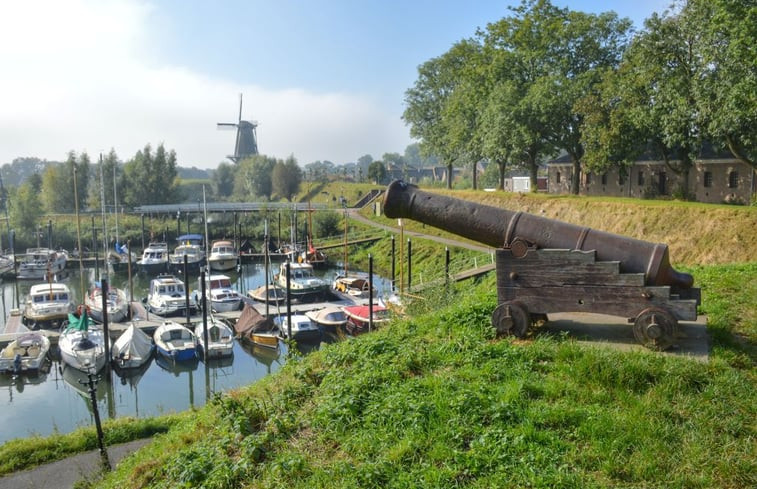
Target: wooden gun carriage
[[546, 266]]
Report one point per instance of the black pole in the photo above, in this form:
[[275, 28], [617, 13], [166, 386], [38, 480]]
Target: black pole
[[370, 292], [409, 263], [393, 259], [289, 303], [92, 384], [186, 286], [106, 334], [204, 314], [50, 234]]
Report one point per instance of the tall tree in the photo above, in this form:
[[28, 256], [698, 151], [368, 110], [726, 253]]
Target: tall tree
[[26, 208], [223, 179], [150, 178], [254, 178], [377, 172], [287, 177]]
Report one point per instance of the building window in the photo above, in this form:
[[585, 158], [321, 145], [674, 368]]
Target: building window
[[640, 180], [604, 179], [558, 177], [588, 178], [708, 179], [733, 179]]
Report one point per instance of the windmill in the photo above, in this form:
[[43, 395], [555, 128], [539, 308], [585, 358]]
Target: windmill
[[247, 140]]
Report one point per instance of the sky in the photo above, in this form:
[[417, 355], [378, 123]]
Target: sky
[[323, 80]]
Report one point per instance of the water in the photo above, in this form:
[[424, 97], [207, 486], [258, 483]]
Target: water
[[56, 401]]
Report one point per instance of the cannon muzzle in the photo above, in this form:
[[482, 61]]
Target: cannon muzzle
[[499, 228]]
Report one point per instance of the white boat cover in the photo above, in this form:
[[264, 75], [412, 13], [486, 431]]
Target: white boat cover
[[133, 343]]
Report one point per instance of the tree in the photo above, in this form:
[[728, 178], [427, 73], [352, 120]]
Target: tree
[[254, 178], [26, 208], [58, 184], [377, 172], [287, 177], [223, 179], [726, 91], [150, 178]]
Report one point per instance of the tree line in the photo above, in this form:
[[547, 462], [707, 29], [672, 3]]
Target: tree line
[[546, 81]]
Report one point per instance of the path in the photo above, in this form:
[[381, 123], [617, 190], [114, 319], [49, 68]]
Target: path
[[64, 474]]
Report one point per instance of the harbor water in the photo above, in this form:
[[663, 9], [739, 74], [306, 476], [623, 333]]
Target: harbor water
[[55, 400]]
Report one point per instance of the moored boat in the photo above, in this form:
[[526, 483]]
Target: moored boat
[[358, 317], [329, 318], [47, 305], [219, 293], [154, 259], [26, 353], [257, 328], [268, 293], [190, 245], [304, 285], [167, 296], [40, 263], [116, 303], [354, 285], [132, 349], [82, 343], [302, 328], [223, 256], [175, 341], [220, 338]]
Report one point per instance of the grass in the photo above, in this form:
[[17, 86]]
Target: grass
[[23, 453], [437, 401]]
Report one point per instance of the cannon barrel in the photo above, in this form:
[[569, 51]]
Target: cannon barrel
[[498, 227]]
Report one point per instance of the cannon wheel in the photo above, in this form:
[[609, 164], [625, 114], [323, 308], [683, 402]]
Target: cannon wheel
[[655, 328], [511, 318]]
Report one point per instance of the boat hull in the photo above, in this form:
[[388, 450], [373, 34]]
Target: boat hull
[[26, 353], [86, 356]]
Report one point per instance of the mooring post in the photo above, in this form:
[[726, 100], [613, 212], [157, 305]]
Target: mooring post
[[370, 292], [204, 314], [289, 303], [186, 287], [393, 263], [446, 266], [104, 288], [409, 263]]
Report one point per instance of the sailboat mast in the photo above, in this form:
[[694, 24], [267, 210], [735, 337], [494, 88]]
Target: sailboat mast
[[265, 260], [115, 199], [102, 210]]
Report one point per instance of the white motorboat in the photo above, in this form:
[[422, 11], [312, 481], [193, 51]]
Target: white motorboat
[[47, 305], [223, 256], [303, 283], [117, 304], [220, 338], [26, 353], [354, 285], [175, 341], [41, 263], [329, 318], [132, 349], [219, 293], [190, 245], [154, 259], [167, 296], [82, 343], [303, 329]]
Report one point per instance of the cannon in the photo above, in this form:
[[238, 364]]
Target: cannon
[[545, 266]]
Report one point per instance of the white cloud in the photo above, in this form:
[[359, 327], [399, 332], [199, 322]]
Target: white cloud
[[78, 75]]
